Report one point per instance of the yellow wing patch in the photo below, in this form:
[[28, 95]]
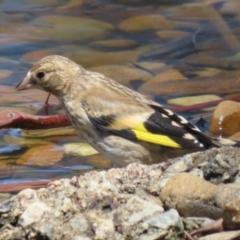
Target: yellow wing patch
[[144, 135]]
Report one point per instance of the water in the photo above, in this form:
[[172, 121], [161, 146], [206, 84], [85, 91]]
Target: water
[[164, 49]]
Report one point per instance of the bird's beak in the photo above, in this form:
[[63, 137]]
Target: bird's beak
[[24, 84]]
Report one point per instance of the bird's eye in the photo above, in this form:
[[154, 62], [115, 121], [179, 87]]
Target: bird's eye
[[40, 75]]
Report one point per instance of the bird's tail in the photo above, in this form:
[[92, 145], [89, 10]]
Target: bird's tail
[[221, 142]]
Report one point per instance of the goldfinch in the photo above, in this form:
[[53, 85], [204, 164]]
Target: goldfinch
[[119, 123]]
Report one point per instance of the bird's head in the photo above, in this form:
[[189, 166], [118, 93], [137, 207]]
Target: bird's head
[[53, 74]]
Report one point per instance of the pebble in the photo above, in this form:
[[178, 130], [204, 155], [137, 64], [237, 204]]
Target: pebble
[[191, 100], [97, 58], [123, 74], [168, 75], [5, 73], [231, 215], [79, 149], [225, 120], [176, 190], [146, 22], [172, 35], [226, 193], [35, 156], [114, 44]]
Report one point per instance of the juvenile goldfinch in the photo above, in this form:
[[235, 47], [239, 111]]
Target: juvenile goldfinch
[[119, 123]]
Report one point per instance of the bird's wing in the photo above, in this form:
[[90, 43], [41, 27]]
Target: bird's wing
[[136, 120]]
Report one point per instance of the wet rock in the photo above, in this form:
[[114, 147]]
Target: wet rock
[[185, 101], [37, 55], [114, 44], [154, 67], [146, 22], [168, 75], [123, 74], [67, 28], [172, 35], [41, 155], [96, 58], [5, 73], [226, 117], [208, 85], [68, 5], [44, 3], [79, 149], [235, 136], [176, 190]]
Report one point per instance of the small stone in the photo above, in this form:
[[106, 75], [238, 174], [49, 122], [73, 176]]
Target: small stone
[[114, 43], [196, 209], [172, 35], [168, 75], [235, 136], [186, 101], [176, 190], [96, 58], [226, 117], [231, 215], [42, 156], [123, 74], [5, 73], [30, 215], [37, 55], [229, 235], [226, 193], [146, 22], [99, 162], [79, 149]]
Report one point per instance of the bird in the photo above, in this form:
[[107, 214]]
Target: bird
[[121, 124]]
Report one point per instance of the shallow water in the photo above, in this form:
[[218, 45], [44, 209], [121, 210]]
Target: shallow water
[[167, 50]]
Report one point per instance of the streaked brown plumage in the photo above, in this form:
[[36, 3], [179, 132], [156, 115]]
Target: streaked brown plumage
[[120, 123]]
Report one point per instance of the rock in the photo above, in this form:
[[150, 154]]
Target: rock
[[207, 85], [96, 58], [222, 165], [176, 190], [5, 73], [196, 209], [186, 101], [230, 235], [152, 66], [97, 161], [231, 215], [226, 193], [123, 74], [34, 56], [168, 75], [122, 203], [235, 136], [225, 120], [103, 200], [146, 22], [67, 28], [34, 156], [114, 44], [79, 149], [172, 35]]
